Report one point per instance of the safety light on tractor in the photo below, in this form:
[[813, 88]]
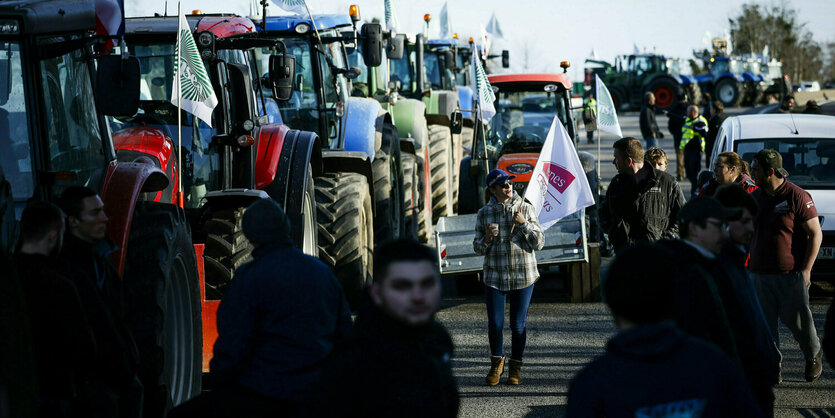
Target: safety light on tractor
[[197, 12], [470, 40], [427, 17], [354, 12], [245, 140], [9, 27], [206, 44], [564, 65], [455, 36]]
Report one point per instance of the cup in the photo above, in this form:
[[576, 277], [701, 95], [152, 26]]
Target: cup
[[494, 229]]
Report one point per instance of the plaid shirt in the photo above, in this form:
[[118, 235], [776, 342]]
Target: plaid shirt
[[509, 264]]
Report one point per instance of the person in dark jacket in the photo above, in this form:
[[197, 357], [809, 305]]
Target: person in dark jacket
[[280, 318], [398, 362], [676, 116], [728, 169], [787, 104], [649, 127], [812, 108], [699, 310], [651, 368], [641, 203], [64, 346], [715, 120], [758, 354], [114, 388]]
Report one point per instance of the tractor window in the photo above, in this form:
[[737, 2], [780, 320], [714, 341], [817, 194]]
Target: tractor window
[[720, 67], [302, 110], [334, 84], [523, 119], [639, 65], [15, 152], [433, 70], [72, 127], [402, 71]]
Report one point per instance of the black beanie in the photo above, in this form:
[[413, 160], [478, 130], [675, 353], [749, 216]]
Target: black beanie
[[265, 222]]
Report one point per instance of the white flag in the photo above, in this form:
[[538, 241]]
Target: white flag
[[295, 6], [558, 185], [191, 86], [485, 44], [493, 27], [607, 115], [446, 28], [483, 90], [391, 16]]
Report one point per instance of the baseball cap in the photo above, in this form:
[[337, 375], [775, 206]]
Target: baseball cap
[[701, 208], [497, 176], [769, 158]]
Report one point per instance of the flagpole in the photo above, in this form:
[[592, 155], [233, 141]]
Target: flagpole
[[179, 104]]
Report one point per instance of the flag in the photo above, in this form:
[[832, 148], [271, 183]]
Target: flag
[[255, 10], [391, 16], [493, 27], [607, 115], [558, 185], [485, 43], [483, 90], [191, 81], [295, 6], [110, 20], [446, 28]]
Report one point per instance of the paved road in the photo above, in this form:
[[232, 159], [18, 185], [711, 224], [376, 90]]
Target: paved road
[[563, 337]]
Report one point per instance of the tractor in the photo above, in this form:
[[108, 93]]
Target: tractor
[[240, 158], [54, 98], [724, 80], [359, 196], [634, 75]]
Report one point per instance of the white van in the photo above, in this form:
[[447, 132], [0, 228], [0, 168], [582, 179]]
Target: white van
[[807, 144]]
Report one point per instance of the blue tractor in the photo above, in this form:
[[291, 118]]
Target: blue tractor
[[724, 81], [359, 196]]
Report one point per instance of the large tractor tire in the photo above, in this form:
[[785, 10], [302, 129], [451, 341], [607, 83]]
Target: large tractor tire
[[425, 229], [729, 92], [388, 194], [310, 238], [440, 163], [346, 230], [666, 93], [226, 249], [411, 196], [162, 296], [467, 135]]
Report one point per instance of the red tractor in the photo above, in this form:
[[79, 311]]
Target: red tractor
[[54, 134], [242, 157]]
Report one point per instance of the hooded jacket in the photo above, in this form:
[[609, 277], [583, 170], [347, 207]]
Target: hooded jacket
[[387, 369], [656, 370]]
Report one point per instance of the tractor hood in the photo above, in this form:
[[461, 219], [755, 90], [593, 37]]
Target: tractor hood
[[221, 26], [289, 23], [44, 17]]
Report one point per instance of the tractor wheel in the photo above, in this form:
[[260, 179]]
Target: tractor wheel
[[424, 204], [226, 249], [694, 93], [388, 194], [310, 244], [467, 135], [346, 230], [411, 196], [440, 163], [455, 163], [162, 297], [728, 91], [666, 93]]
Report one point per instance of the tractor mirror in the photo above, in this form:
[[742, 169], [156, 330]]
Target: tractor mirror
[[353, 73], [456, 122], [449, 59], [117, 85], [372, 44], [396, 47], [505, 59], [282, 73]]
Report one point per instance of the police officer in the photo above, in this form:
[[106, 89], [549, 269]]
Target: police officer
[[693, 134], [590, 117]]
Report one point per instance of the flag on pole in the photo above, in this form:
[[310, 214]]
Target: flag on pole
[[558, 185], [485, 43], [110, 20], [493, 27], [295, 6], [446, 28], [192, 90], [483, 90], [391, 16], [607, 115]]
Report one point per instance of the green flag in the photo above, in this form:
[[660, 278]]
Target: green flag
[[483, 90], [192, 90]]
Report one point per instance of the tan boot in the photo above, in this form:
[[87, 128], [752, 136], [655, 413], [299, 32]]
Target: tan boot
[[496, 369], [514, 376]]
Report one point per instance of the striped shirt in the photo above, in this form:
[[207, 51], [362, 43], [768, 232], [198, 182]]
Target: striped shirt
[[509, 264]]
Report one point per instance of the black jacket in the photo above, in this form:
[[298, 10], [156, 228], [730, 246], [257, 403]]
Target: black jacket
[[649, 127], [656, 370], [278, 321], [676, 116], [645, 211], [389, 370], [99, 287], [713, 127], [758, 354], [698, 307], [65, 349]]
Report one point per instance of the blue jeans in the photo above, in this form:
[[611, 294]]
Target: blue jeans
[[519, 301], [651, 142]]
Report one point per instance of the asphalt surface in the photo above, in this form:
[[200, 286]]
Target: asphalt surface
[[563, 337]]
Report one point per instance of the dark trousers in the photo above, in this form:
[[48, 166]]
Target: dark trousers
[[692, 165], [519, 301], [764, 395], [234, 401]]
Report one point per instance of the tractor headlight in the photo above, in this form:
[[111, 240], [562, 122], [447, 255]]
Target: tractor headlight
[[302, 28], [248, 125], [205, 40], [519, 168]]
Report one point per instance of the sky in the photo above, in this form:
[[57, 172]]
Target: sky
[[550, 31]]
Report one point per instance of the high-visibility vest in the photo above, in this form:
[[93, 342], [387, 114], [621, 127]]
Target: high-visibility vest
[[688, 131], [591, 104]]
